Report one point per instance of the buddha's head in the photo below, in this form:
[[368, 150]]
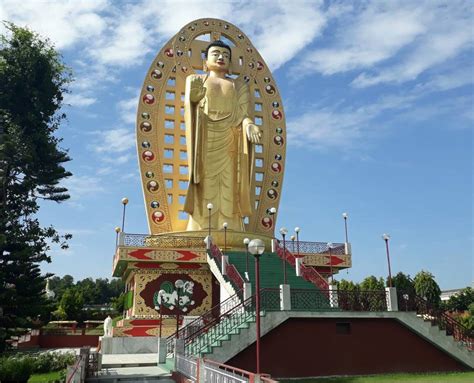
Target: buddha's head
[[218, 56]]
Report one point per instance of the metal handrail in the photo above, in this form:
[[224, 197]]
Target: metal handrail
[[308, 273], [232, 274], [196, 325], [413, 302], [163, 241], [307, 247], [229, 373]]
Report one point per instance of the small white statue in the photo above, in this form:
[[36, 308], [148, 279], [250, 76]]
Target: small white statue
[[108, 326]]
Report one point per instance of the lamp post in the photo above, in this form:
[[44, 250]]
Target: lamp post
[[293, 243], [124, 203], [284, 232], [210, 206], [297, 231], [246, 243], [179, 285], [117, 231], [256, 248], [224, 225], [330, 245], [386, 237], [344, 215]]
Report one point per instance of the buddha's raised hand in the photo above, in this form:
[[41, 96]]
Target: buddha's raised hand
[[197, 90]]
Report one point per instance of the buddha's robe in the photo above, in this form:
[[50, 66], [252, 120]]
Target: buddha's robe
[[220, 157]]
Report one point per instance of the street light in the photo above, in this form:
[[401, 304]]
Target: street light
[[246, 243], [344, 215], [330, 246], [386, 237], [124, 203], [284, 232], [159, 307], [210, 206], [179, 285], [297, 231], [256, 248], [224, 225], [117, 231]]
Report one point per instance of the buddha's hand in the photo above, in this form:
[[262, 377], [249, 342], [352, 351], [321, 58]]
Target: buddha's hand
[[197, 90], [254, 133]]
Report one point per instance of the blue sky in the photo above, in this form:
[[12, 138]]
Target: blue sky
[[379, 104]]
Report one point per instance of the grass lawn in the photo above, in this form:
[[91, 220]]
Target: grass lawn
[[453, 377], [46, 377]]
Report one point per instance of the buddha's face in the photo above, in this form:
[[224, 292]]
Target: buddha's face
[[218, 59]]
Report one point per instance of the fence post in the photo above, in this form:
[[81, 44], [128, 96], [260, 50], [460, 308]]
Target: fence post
[[333, 296], [201, 370], [391, 296], [347, 248], [285, 298], [121, 239]]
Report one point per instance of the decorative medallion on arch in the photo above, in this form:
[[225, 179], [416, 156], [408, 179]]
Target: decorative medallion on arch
[[161, 140]]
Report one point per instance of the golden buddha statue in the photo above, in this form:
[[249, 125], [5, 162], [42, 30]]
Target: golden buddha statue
[[219, 138]]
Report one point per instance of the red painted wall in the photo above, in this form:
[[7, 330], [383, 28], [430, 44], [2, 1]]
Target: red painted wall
[[60, 341], [304, 347]]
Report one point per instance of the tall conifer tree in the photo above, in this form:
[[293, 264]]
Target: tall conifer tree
[[33, 80]]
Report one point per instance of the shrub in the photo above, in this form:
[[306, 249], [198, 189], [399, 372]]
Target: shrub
[[16, 369]]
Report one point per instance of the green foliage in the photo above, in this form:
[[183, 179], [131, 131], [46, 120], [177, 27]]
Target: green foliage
[[53, 361], [71, 304], [461, 301], [403, 283], [347, 285], [426, 287], [33, 80], [372, 283], [118, 303], [16, 369]]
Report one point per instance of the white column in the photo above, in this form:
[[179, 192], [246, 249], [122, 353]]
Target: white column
[[285, 298], [121, 241], [347, 248], [333, 296], [299, 262], [392, 301], [247, 290], [162, 351], [225, 261]]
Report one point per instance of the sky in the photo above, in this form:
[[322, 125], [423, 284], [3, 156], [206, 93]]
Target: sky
[[378, 98]]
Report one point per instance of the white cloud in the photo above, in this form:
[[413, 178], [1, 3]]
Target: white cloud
[[375, 35], [83, 186], [115, 141], [63, 22], [393, 42], [78, 100], [128, 109]]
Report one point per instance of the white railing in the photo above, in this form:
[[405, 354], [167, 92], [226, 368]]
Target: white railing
[[214, 374], [188, 366]]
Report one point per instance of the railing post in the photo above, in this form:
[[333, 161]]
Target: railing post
[[333, 296], [208, 241], [201, 370], [247, 290], [285, 298], [391, 296], [121, 240]]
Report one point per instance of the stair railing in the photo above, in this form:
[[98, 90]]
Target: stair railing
[[412, 302], [232, 274], [308, 273], [195, 326]]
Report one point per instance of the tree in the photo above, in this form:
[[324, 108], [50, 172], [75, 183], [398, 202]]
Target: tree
[[403, 283], [426, 287], [461, 301], [70, 306], [32, 82], [372, 283]]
